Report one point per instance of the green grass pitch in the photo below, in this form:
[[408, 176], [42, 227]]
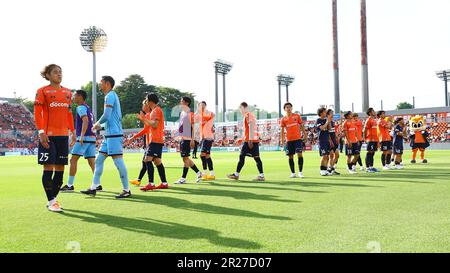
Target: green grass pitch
[[392, 211]]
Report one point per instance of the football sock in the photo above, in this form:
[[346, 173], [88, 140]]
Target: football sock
[[414, 154], [71, 181], [360, 161], [120, 165], [150, 171], [162, 173], [323, 168], [240, 163], [291, 165], [185, 171], [47, 183], [204, 163], [422, 154], [210, 164], [57, 182], [368, 160], [99, 161], [143, 170], [388, 158], [349, 165], [259, 165], [195, 169], [383, 160], [300, 164]]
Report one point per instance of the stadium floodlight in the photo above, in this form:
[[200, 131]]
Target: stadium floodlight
[[337, 100], [444, 75], [94, 39], [221, 67], [364, 61], [283, 80]]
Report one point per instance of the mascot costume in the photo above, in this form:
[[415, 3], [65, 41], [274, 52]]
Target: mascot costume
[[418, 137]]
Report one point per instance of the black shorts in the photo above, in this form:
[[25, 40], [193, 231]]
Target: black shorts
[[185, 148], [246, 151], [420, 145], [294, 147], [206, 146], [386, 146], [324, 148], [334, 145], [354, 150], [372, 146], [154, 150], [398, 149], [57, 153]]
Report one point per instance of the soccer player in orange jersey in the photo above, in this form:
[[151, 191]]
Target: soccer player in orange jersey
[[352, 149], [359, 134], [371, 137], [384, 127], [146, 110], [250, 147], [293, 130], [156, 143], [53, 119], [205, 119]]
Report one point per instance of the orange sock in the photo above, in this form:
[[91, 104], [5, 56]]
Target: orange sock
[[422, 154], [414, 154]]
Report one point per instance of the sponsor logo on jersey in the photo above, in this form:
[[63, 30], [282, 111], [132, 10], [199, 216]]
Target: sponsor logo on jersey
[[59, 104]]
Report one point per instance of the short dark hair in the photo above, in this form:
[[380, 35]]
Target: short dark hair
[[348, 113], [204, 102], [286, 104], [244, 104], [379, 113], [81, 93], [153, 98], [355, 115], [187, 100], [397, 120], [48, 69], [109, 79], [321, 110], [329, 111], [369, 111]]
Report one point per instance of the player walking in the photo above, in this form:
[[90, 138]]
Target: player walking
[[371, 137], [385, 139], [334, 145], [250, 147], [359, 135], [156, 143], [206, 120], [53, 119], [144, 132], [293, 130], [351, 140], [400, 135], [86, 139], [112, 144], [186, 134], [323, 125]]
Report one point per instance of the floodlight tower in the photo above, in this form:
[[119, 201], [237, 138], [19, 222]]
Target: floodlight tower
[[283, 80], [337, 100], [364, 62], [93, 39], [221, 67], [444, 75]]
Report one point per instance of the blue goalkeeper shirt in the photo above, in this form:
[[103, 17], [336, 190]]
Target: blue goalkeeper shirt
[[111, 119]]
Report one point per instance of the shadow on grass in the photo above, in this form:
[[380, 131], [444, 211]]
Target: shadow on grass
[[263, 187], [177, 203], [241, 195], [311, 184], [160, 228]]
